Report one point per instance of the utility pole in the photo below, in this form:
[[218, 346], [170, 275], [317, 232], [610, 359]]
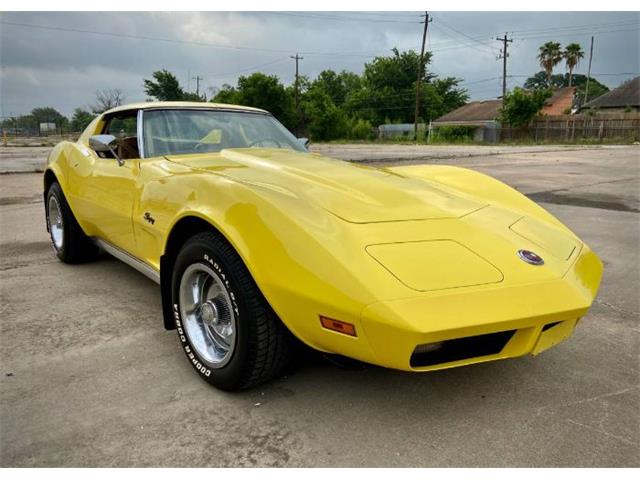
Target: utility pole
[[197, 78], [504, 54], [586, 88], [427, 19], [297, 58]]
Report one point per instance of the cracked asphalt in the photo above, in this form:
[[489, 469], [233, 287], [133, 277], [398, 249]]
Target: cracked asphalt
[[88, 376]]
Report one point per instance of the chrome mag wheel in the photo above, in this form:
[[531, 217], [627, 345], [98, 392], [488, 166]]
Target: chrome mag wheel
[[207, 314], [56, 227]]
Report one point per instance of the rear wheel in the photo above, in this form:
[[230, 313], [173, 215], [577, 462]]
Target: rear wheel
[[227, 329], [69, 241]]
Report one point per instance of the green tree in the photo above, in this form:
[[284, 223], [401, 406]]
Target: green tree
[[343, 105], [549, 55], [49, 115], [226, 94], [260, 91], [324, 120], [193, 97], [81, 119], [595, 88], [397, 71], [339, 86], [165, 88], [520, 107], [572, 55], [30, 123], [388, 90], [539, 80], [450, 96]]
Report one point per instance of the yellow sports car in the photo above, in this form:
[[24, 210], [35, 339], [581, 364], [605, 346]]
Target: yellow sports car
[[253, 238]]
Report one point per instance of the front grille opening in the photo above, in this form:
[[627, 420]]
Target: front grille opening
[[460, 349], [550, 325]]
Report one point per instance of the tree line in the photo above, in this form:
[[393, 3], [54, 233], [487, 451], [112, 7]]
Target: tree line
[[345, 105], [81, 118], [337, 105]]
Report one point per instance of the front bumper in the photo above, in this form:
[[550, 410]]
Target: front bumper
[[537, 315]]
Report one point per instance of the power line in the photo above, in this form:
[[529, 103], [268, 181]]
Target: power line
[[342, 18], [465, 44], [239, 47], [140, 37], [549, 30], [185, 42], [248, 69], [447, 47], [579, 33], [571, 27], [396, 15], [620, 74], [176, 41], [475, 40]]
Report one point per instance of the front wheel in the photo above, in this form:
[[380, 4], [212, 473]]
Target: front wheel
[[227, 329], [69, 241]]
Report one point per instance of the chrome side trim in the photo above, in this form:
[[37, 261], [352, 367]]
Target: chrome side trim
[[139, 132], [144, 268]]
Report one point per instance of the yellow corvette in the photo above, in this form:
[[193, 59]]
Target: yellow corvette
[[250, 237]]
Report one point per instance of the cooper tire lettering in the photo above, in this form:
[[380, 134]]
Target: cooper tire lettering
[[254, 357]]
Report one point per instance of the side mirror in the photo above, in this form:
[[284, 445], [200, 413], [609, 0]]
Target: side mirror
[[304, 141], [105, 143]]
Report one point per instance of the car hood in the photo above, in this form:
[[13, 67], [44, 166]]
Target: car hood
[[355, 193]]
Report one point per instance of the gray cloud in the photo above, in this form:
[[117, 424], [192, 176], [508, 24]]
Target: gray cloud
[[60, 68]]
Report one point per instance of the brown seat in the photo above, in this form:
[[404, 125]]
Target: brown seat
[[128, 147]]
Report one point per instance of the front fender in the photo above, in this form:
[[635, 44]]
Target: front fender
[[298, 254]]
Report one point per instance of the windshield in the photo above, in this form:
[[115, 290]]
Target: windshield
[[171, 132]]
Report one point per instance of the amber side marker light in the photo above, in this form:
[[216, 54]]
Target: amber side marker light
[[338, 326]]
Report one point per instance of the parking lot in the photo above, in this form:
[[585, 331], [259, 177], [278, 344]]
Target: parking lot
[[90, 377]]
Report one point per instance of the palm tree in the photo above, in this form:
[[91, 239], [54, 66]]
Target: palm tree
[[549, 55], [572, 55]]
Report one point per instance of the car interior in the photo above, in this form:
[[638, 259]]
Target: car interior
[[123, 126]]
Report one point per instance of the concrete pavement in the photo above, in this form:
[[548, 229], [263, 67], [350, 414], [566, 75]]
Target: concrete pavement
[[90, 378]]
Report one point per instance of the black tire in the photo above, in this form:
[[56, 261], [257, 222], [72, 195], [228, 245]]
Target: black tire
[[262, 343], [75, 246]]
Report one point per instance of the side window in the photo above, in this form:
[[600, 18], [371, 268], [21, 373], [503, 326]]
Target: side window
[[124, 126]]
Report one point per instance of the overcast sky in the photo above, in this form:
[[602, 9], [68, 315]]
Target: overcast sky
[[62, 65]]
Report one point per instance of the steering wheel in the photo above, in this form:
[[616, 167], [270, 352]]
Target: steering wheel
[[260, 140], [202, 147]]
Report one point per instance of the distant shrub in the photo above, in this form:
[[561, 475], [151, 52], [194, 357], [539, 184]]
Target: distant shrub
[[361, 130], [454, 133], [520, 107]]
